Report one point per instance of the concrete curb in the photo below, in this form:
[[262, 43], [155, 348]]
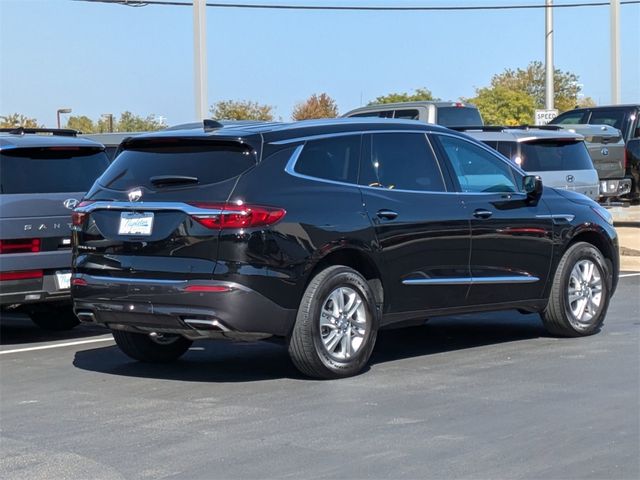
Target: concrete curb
[[629, 264]]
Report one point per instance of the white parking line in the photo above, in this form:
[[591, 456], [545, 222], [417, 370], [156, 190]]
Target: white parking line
[[56, 345], [624, 275]]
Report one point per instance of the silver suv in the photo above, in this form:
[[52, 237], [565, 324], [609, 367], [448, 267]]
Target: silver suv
[[559, 157]]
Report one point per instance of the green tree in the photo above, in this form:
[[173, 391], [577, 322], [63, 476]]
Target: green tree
[[241, 110], [419, 94], [82, 123], [500, 105], [531, 80], [129, 122], [18, 120], [316, 106]]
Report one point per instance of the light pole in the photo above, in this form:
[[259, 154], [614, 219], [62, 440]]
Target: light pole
[[615, 52], [548, 55], [62, 110], [110, 117], [200, 57]]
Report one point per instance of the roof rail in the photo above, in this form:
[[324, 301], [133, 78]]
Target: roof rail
[[63, 132], [479, 128]]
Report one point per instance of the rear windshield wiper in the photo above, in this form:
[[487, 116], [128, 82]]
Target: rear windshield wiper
[[166, 180]]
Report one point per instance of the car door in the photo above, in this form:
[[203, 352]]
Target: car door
[[421, 227], [511, 238]]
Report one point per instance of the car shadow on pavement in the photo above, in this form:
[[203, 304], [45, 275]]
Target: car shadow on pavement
[[18, 329], [225, 361]]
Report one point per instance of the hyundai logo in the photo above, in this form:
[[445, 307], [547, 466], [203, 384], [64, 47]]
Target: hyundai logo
[[570, 178], [70, 203], [604, 151], [135, 194]]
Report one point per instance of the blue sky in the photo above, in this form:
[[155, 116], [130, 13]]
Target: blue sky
[[99, 58]]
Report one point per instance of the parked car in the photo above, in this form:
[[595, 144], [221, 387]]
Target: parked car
[[441, 113], [560, 158], [625, 118], [323, 232], [43, 175]]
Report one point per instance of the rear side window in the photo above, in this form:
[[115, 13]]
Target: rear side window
[[568, 118], [377, 114], [412, 114], [401, 161], [477, 169], [546, 156], [207, 161], [334, 158], [458, 116], [50, 170]]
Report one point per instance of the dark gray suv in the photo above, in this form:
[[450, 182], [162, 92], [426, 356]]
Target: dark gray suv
[[43, 175]]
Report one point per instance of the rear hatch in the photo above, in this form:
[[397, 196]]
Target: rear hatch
[[606, 148], [38, 189], [157, 211], [561, 163]]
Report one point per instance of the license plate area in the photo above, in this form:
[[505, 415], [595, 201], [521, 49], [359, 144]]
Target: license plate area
[[136, 223], [63, 280]]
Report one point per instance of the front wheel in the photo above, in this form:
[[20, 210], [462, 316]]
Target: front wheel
[[580, 293], [145, 348], [336, 325]]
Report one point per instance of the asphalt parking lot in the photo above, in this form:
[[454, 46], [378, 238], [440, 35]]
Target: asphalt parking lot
[[477, 396]]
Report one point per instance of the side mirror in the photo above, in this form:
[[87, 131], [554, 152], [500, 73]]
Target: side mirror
[[532, 185]]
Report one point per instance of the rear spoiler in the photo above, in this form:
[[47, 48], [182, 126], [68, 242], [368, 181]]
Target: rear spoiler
[[62, 132]]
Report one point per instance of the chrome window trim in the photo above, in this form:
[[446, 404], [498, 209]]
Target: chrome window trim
[[291, 163], [343, 134], [558, 216], [471, 280], [148, 206]]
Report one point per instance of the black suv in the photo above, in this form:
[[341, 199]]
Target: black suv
[[324, 232], [43, 175]]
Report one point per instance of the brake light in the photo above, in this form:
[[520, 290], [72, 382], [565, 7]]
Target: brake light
[[27, 245], [207, 288], [238, 216], [78, 282], [26, 275], [78, 218]]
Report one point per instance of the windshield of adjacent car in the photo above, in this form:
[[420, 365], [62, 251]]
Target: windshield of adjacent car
[[50, 169]]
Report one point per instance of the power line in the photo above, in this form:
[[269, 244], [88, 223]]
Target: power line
[[144, 3]]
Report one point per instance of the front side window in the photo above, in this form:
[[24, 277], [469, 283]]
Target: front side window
[[476, 169], [401, 161], [334, 158]]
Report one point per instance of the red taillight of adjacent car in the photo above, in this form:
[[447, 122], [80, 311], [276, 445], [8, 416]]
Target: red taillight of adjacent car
[[78, 218], [23, 245], [25, 275], [207, 288], [238, 216]]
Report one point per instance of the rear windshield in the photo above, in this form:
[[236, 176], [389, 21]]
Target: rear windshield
[[50, 170], [458, 116], [206, 161], [552, 155]]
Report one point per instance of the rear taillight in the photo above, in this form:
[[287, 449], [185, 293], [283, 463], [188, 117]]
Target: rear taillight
[[26, 245], [78, 218], [26, 275], [237, 216]]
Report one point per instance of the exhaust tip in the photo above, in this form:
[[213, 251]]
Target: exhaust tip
[[206, 324], [86, 317]]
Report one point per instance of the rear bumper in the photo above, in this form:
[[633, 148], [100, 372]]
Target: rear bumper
[[167, 306], [32, 291]]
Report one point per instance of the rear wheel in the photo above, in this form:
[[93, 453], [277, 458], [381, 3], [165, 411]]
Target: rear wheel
[[580, 293], [54, 318], [156, 349], [336, 326]]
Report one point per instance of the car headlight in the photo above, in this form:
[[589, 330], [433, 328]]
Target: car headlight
[[603, 213]]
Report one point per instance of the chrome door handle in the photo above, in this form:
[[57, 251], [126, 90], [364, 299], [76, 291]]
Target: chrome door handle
[[387, 214], [482, 213]]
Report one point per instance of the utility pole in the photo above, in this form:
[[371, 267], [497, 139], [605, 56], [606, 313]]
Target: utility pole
[[615, 52], [200, 57], [548, 56]]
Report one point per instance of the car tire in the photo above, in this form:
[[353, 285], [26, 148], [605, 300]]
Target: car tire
[[142, 347], [55, 318], [326, 341], [580, 293]]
